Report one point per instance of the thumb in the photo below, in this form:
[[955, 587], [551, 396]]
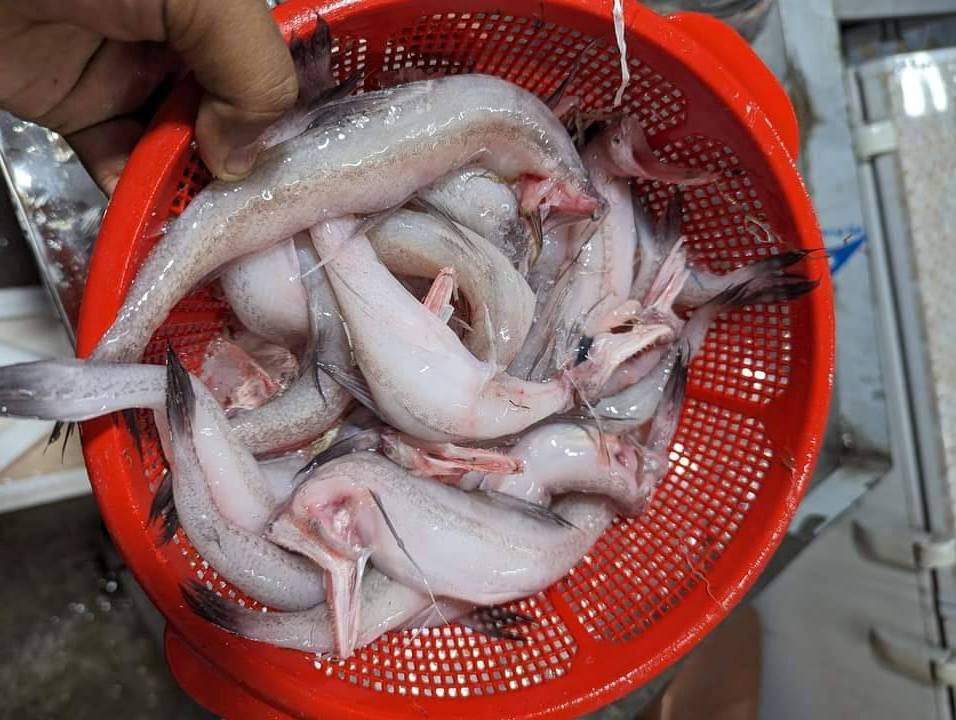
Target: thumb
[[241, 61]]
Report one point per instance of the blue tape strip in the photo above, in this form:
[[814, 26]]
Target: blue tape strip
[[855, 237]]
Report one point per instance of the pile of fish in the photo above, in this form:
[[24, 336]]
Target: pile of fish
[[461, 347]]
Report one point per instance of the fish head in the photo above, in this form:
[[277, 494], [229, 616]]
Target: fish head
[[322, 521], [327, 516], [610, 349], [614, 149], [568, 194], [622, 457]]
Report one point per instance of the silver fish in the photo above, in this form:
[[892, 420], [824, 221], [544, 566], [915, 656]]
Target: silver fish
[[484, 204], [440, 540], [386, 605], [266, 294], [420, 378], [598, 277], [364, 154], [314, 402], [562, 457], [244, 558], [417, 244]]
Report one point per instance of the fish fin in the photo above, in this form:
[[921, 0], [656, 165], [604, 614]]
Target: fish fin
[[351, 380], [373, 220], [764, 289], [666, 417], [554, 98], [344, 88], [420, 204], [642, 161], [129, 417], [676, 388], [163, 499], [535, 227], [497, 622], [439, 296], [55, 434], [492, 358], [780, 261], [61, 429], [365, 441], [670, 224], [529, 509], [169, 526], [425, 618], [180, 397], [312, 277], [785, 288], [373, 102], [211, 607], [404, 549], [583, 349], [312, 58]]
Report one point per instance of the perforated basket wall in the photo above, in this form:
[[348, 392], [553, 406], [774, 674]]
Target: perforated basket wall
[[758, 395]]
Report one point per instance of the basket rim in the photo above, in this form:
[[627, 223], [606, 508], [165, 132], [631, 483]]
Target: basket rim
[[104, 439]]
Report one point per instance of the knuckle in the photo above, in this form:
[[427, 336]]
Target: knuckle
[[277, 94]]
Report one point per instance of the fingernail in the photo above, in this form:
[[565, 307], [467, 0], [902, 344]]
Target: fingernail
[[239, 162]]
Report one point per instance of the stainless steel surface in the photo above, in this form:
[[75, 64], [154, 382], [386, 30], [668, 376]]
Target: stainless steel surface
[[59, 208], [18, 268]]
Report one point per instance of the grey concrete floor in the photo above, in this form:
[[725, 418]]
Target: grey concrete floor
[[72, 643]]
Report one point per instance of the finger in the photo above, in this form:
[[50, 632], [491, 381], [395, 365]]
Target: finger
[[234, 48], [40, 64], [117, 80], [104, 149], [240, 59]]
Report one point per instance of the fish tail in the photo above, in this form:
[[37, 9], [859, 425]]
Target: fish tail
[[364, 441], [45, 390], [163, 499], [554, 99], [498, 623], [168, 526], [180, 398], [666, 418], [312, 58], [765, 288], [211, 607]]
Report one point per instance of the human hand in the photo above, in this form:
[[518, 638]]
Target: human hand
[[85, 67]]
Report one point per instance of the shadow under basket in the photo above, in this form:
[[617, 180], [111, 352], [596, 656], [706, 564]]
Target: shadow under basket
[[757, 402]]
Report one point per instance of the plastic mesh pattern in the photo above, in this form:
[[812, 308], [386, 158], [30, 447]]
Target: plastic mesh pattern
[[642, 568]]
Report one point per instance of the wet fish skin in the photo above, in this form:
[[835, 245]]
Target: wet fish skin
[[248, 561], [364, 155], [416, 244]]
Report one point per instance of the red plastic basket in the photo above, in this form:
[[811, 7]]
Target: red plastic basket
[[652, 587]]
